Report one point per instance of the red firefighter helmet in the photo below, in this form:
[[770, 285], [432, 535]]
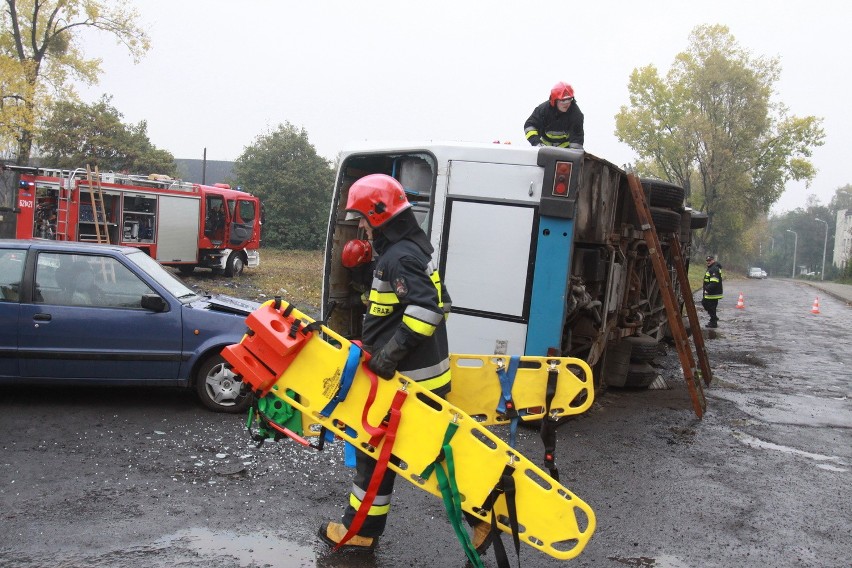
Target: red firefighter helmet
[[378, 198], [356, 252], [560, 91]]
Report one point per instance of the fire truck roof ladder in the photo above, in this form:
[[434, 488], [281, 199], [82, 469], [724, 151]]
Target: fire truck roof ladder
[[96, 196], [684, 350]]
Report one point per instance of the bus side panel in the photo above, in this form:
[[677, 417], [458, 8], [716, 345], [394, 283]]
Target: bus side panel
[[475, 335], [487, 265], [550, 288]]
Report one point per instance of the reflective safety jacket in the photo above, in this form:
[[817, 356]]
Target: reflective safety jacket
[[549, 127], [713, 282], [408, 300]]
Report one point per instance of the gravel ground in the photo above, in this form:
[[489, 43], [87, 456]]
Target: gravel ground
[[148, 478]]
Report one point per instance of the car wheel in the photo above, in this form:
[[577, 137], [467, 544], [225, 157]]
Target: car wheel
[[235, 264], [219, 388]]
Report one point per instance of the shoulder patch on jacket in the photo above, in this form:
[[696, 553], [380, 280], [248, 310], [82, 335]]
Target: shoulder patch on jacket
[[400, 287]]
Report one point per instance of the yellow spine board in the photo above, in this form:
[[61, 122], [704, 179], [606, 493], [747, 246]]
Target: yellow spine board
[[551, 518], [476, 386]]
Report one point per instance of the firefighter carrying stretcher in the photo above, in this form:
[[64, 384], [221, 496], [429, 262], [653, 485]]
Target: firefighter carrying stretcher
[[404, 330]]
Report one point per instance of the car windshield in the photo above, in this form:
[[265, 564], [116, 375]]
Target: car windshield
[[163, 277]]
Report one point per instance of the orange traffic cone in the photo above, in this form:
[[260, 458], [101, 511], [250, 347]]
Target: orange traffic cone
[[815, 309], [740, 302]]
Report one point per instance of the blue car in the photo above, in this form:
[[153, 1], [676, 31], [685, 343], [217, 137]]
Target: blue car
[[83, 313]]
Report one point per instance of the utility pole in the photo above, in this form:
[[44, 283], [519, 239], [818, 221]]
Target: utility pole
[[795, 246]]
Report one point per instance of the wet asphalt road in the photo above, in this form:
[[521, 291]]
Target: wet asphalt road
[[134, 478]]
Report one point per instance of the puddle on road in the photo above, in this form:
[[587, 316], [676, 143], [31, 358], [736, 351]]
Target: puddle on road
[[188, 548], [250, 550], [823, 462]]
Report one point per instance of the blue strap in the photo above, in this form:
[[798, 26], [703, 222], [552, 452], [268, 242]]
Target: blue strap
[[349, 371], [506, 405], [349, 454], [507, 381]]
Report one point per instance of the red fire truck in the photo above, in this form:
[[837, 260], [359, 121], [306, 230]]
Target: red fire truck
[[178, 223]]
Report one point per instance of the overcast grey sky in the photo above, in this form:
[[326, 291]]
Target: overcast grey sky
[[222, 72]]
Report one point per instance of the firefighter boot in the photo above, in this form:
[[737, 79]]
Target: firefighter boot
[[482, 536], [333, 533]]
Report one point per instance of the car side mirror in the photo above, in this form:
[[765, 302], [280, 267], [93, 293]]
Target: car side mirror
[[154, 302]]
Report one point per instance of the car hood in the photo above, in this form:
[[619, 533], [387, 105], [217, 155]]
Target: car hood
[[227, 304]]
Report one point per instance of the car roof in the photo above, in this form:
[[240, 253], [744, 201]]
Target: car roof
[[68, 246]]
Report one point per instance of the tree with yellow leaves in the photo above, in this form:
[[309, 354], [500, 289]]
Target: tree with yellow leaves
[[713, 124], [41, 55]]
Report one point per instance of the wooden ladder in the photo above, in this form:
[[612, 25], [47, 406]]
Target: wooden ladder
[[96, 196], [681, 339], [63, 207], [692, 314]]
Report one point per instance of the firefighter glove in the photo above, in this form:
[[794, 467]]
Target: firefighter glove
[[384, 362]]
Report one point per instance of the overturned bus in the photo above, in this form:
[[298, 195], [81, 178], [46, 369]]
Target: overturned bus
[[541, 249]]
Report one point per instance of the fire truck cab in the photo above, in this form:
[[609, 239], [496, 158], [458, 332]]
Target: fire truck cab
[[182, 224]]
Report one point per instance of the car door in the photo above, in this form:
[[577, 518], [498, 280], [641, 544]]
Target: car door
[[11, 271], [85, 321], [241, 228]]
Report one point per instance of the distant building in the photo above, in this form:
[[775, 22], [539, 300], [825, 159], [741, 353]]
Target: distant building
[[843, 239], [213, 171]]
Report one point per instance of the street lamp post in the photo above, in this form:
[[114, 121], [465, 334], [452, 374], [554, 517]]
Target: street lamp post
[[795, 246], [824, 245]]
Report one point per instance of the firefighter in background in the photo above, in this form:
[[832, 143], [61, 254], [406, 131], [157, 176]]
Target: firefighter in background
[[214, 226], [404, 330], [712, 290], [556, 122]]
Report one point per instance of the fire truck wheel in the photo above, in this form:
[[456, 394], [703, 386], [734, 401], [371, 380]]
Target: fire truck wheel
[[219, 388], [186, 268], [235, 264]]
